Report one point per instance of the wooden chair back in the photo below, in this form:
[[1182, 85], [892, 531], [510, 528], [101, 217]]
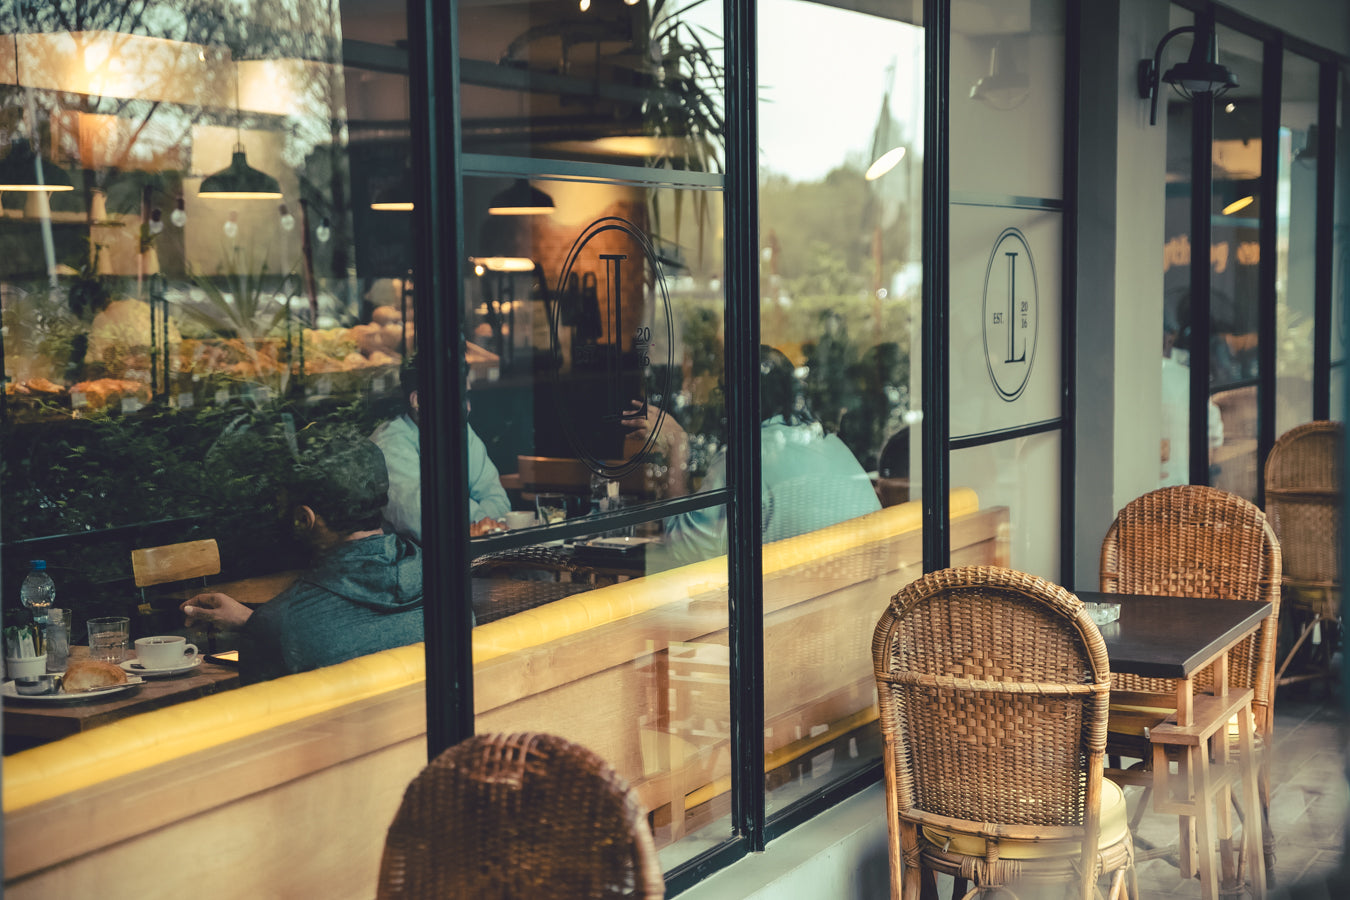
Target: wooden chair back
[[993, 690], [521, 815], [1198, 541], [175, 562], [1304, 495]]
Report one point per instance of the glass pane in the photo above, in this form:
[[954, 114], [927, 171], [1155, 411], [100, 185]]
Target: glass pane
[[1296, 229], [599, 83], [175, 306], [1175, 115], [1340, 261], [200, 332], [1007, 98], [1005, 318], [840, 190], [1018, 486], [1235, 266], [597, 389]]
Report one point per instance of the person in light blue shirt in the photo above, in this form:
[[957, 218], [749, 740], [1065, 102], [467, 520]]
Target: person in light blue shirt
[[400, 440], [810, 479]]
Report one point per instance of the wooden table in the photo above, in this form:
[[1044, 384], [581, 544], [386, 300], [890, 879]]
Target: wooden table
[[31, 722], [1178, 637]]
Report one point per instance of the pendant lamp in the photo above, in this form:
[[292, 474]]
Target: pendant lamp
[[23, 169], [521, 199], [239, 180]]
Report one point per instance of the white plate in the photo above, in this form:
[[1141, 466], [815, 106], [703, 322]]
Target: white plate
[[8, 691], [134, 667]]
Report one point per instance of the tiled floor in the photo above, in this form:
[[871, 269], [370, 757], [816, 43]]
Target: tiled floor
[[1310, 802]]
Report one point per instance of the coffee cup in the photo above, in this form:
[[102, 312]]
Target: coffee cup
[[165, 651], [520, 519]]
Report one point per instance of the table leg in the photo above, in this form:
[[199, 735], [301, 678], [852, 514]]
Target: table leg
[[1204, 838], [1223, 806]]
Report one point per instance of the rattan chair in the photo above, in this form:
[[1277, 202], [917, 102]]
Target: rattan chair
[[505, 817], [1303, 503], [993, 690], [1193, 541]]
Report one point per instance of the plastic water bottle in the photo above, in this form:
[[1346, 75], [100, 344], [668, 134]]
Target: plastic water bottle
[[38, 591]]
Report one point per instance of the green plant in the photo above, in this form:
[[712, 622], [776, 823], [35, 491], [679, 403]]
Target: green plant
[[246, 307]]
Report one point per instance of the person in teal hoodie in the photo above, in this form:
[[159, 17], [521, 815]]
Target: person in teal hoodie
[[363, 592], [809, 479]]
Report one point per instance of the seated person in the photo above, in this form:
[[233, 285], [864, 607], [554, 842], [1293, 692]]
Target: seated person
[[810, 479], [363, 592], [399, 439]]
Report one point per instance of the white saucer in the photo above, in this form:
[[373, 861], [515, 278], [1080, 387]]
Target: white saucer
[[10, 692], [135, 667]]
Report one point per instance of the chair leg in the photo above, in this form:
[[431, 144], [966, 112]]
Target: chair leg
[[959, 887], [911, 875], [927, 884], [1289, 657]]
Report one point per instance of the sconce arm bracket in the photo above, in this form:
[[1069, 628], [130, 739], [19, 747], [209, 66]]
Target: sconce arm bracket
[[1149, 70]]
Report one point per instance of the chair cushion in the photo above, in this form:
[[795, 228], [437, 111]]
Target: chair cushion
[[1115, 827], [1132, 720]]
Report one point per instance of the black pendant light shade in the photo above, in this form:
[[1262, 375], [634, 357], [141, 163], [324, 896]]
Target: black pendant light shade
[[240, 181], [521, 199], [24, 170]]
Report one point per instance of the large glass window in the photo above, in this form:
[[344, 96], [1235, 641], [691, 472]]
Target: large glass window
[[593, 313], [205, 313], [198, 297], [1006, 233], [1340, 260], [840, 188], [1235, 253]]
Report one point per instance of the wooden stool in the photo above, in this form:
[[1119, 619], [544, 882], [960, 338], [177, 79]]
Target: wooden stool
[[1201, 794]]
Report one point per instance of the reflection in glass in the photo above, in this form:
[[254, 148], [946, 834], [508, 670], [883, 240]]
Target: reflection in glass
[[641, 675], [185, 348], [631, 84], [1020, 477], [1340, 264], [840, 187], [1295, 243], [1235, 266]]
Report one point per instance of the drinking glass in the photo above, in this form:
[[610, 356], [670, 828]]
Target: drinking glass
[[109, 637], [552, 508]]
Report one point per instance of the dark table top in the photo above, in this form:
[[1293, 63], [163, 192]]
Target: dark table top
[[1173, 637]]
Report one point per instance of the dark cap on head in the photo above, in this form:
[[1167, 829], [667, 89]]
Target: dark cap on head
[[345, 481]]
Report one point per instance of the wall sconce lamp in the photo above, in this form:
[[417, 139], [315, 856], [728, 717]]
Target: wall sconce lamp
[[1199, 74]]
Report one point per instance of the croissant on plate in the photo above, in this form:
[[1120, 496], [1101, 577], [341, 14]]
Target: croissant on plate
[[90, 675]]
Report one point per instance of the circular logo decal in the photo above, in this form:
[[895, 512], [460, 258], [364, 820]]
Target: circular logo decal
[[612, 312], [1011, 314]]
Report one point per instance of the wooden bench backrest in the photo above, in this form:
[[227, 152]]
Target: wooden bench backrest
[[175, 562]]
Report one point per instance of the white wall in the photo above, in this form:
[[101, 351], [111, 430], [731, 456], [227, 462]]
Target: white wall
[[1141, 169]]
